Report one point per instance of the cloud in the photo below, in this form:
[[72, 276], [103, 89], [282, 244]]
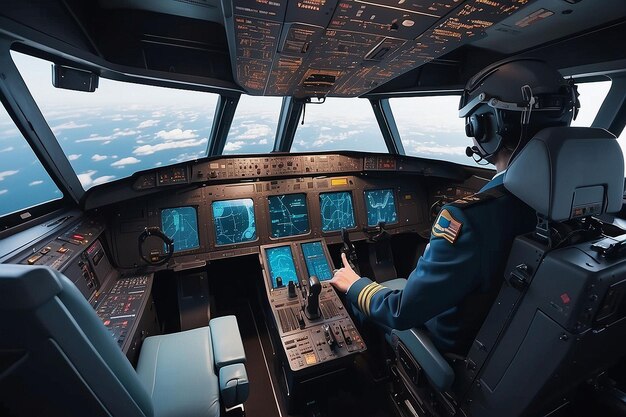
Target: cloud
[[324, 139], [187, 156], [4, 174], [3, 191], [35, 183], [150, 149], [148, 123], [87, 180], [126, 132], [98, 158], [74, 156], [117, 133], [255, 131], [69, 125], [234, 146], [126, 161], [431, 148], [95, 138], [176, 134], [9, 149]]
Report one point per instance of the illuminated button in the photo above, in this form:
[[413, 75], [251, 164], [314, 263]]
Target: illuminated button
[[62, 249], [32, 260], [45, 250]]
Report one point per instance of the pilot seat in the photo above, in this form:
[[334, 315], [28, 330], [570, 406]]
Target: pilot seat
[[560, 316], [57, 358]]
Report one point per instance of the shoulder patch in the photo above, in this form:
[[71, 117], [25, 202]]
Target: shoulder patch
[[447, 227]]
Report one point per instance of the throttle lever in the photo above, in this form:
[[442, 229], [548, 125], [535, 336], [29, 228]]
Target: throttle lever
[[349, 250]]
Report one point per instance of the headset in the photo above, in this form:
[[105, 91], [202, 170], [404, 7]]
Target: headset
[[490, 120]]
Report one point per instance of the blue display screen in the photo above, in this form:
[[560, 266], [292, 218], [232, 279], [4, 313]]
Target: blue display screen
[[233, 221], [316, 261], [281, 265], [181, 225], [336, 211], [380, 206], [288, 215]]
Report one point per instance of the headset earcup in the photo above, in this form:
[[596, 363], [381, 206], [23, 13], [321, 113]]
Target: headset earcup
[[474, 128], [469, 129]]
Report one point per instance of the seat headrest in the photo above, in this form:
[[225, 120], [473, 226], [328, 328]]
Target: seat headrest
[[569, 172]]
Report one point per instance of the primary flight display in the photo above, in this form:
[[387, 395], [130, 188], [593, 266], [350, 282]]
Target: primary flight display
[[181, 225], [337, 211], [288, 215], [233, 221]]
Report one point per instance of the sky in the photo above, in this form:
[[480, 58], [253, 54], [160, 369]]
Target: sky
[[124, 128]]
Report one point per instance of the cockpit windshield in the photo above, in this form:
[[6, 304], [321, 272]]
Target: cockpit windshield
[[121, 128]]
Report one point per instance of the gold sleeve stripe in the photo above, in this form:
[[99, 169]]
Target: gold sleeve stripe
[[363, 295], [369, 299]]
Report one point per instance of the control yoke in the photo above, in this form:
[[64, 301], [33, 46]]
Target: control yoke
[[313, 298], [349, 249]]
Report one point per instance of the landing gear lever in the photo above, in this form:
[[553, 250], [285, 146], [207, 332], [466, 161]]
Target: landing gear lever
[[349, 249]]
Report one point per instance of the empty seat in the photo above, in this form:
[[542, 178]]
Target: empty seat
[[57, 358]]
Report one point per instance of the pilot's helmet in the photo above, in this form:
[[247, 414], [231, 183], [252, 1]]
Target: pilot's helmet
[[505, 104]]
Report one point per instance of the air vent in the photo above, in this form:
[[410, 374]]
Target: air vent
[[381, 50], [319, 80]]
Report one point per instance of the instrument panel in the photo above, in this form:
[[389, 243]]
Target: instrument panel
[[217, 221], [231, 205]]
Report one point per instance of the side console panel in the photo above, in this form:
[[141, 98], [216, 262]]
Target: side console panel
[[124, 304]]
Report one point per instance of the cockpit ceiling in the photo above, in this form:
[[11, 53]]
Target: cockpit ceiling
[[347, 47]]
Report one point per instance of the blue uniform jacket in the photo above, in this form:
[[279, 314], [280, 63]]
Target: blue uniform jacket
[[461, 270]]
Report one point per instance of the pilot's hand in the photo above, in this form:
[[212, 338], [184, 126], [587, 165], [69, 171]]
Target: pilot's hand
[[344, 277]]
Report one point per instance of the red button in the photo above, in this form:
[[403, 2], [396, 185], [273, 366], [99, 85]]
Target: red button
[[565, 298]]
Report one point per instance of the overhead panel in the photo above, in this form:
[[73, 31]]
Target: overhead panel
[[349, 47]]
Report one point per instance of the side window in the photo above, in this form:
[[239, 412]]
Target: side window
[[430, 127], [24, 182], [591, 97]]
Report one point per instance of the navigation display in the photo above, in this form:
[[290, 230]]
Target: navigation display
[[380, 206], [337, 211], [281, 265], [316, 261], [181, 225], [288, 215], [233, 221]]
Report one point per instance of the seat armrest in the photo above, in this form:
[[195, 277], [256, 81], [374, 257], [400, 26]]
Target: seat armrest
[[435, 367], [233, 385], [226, 340]]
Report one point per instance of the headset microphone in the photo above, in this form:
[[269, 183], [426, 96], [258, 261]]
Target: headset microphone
[[473, 150]]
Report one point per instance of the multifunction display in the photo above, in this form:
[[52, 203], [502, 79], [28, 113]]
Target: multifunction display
[[337, 211], [233, 221], [281, 265], [181, 225], [316, 261], [380, 206], [288, 215]]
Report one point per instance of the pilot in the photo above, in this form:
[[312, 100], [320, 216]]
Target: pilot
[[459, 274]]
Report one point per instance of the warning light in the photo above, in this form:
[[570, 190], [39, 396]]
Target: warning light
[[565, 298]]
